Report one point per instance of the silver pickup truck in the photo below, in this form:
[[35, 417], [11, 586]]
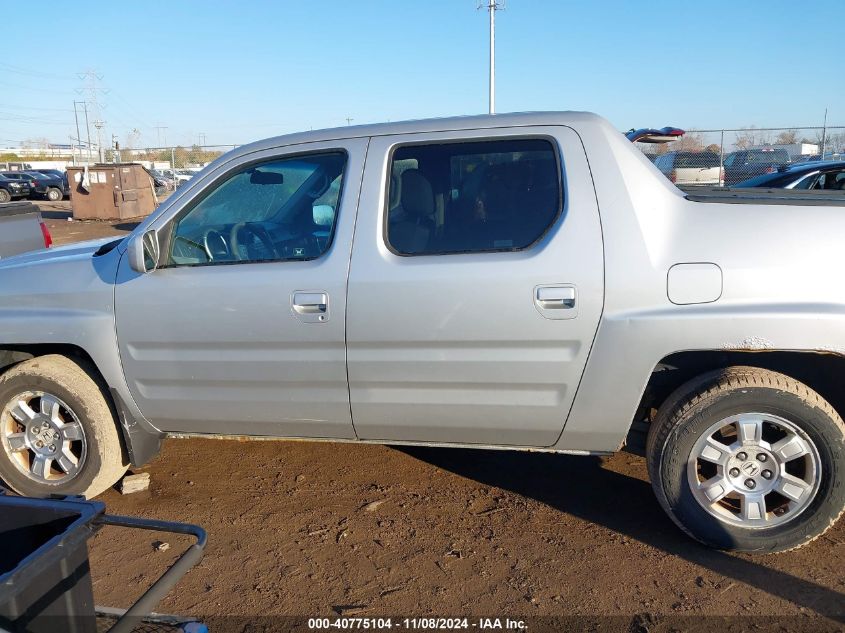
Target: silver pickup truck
[[527, 282], [21, 229]]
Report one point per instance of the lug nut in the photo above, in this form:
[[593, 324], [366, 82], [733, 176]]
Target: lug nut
[[762, 457], [767, 474], [750, 484], [39, 444], [742, 456], [52, 448], [734, 472], [44, 425]]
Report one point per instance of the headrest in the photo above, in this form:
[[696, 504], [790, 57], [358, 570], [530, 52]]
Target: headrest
[[417, 197]]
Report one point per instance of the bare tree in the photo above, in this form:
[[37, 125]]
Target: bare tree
[[787, 137], [752, 137], [689, 142]]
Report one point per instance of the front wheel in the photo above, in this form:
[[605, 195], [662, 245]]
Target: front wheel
[[57, 431], [5, 196], [748, 459], [53, 194]]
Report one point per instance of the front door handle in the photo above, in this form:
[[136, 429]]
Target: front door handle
[[559, 301], [311, 307]]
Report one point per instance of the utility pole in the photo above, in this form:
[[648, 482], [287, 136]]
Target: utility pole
[[492, 6], [349, 120], [201, 139], [99, 125], [88, 130], [78, 140], [824, 134]]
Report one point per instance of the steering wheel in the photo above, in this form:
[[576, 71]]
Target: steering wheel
[[215, 245], [188, 249], [245, 234]]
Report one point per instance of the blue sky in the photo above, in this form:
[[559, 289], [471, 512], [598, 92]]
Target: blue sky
[[238, 71]]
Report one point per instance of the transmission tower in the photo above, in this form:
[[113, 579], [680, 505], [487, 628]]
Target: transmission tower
[[159, 127], [91, 90]]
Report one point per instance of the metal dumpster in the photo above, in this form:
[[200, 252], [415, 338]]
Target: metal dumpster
[[119, 191], [45, 580]]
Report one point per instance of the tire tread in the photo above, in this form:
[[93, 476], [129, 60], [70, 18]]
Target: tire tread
[[707, 387]]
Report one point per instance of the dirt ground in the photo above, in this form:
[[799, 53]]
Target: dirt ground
[[316, 529]]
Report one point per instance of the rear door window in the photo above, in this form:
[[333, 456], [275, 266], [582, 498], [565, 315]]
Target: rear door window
[[477, 196]]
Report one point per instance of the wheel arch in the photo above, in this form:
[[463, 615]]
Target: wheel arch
[[816, 369], [140, 441]]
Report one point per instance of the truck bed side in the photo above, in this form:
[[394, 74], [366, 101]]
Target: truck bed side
[[778, 266]]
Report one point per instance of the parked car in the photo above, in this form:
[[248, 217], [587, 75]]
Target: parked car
[[183, 175], [162, 180], [53, 173], [828, 156], [826, 176], [524, 281], [13, 189], [745, 164], [57, 187], [40, 185], [691, 168]]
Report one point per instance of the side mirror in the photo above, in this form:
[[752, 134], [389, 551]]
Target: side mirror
[[322, 214], [143, 252]]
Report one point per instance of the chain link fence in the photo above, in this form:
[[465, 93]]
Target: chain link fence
[[727, 157], [712, 157]]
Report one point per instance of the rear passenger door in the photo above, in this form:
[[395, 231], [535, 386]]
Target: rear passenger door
[[475, 286]]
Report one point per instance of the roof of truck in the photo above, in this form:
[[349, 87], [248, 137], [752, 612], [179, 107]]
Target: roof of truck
[[445, 124]]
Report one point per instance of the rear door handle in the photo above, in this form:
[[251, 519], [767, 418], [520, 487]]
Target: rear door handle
[[557, 301], [556, 297], [311, 307]]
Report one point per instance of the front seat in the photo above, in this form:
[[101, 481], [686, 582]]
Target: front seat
[[410, 222]]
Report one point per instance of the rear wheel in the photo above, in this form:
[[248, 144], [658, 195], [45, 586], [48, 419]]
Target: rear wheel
[[54, 194], [748, 459], [57, 431]]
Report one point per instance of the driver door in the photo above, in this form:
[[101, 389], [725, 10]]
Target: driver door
[[240, 328]]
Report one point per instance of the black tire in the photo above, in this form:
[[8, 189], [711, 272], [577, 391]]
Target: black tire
[[77, 385], [5, 196], [693, 408], [54, 195]]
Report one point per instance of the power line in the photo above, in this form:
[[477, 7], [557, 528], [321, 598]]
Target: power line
[[52, 91], [32, 73], [16, 107]]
